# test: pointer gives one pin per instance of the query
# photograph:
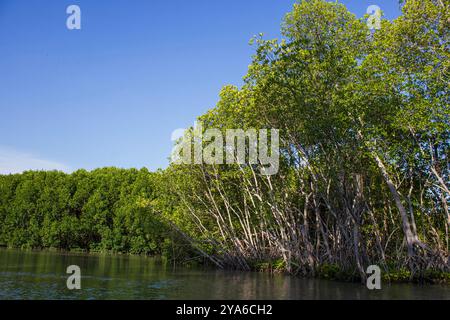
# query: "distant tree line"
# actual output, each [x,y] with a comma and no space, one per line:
[106,209]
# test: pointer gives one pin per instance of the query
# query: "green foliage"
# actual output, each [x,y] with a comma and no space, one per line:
[103,210]
[401,275]
[364,123]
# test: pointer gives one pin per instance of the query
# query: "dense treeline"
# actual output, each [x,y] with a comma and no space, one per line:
[364,174]
[106,209]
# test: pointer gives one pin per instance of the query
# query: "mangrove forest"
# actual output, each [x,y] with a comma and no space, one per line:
[364,173]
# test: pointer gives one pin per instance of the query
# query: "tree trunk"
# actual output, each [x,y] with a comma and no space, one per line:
[411,238]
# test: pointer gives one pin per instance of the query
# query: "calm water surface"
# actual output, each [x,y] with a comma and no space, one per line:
[42,275]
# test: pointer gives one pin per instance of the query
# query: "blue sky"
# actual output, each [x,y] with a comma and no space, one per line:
[112,93]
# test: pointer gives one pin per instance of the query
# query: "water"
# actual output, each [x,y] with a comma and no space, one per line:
[42,275]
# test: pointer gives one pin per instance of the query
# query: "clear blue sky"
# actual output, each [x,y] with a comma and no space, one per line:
[111,93]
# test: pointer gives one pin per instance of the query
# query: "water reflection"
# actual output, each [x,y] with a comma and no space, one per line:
[42,275]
